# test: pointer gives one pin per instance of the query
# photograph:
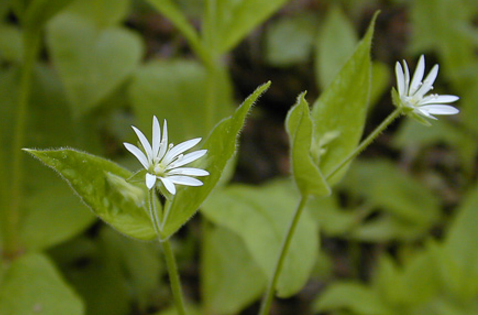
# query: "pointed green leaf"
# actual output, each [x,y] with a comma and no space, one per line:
[39,12]
[261,216]
[91,62]
[221,146]
[103,12]
[226,260]
[341,109]
[102,186]
[32,285]
[307,175]
[335,44]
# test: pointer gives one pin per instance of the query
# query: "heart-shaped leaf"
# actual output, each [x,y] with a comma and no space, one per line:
[32,285]
[307,175]
[221,146]
[102,186]
[91,62]
[339,114]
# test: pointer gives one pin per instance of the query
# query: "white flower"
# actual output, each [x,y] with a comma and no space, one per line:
[412,98]
[163,161]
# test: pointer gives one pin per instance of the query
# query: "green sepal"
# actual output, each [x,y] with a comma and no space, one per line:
[102,185]
[307,175]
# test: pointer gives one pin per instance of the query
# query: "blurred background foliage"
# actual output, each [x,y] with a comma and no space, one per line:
[397,236]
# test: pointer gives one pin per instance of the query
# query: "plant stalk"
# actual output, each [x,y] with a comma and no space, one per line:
[174,277]
[267,301]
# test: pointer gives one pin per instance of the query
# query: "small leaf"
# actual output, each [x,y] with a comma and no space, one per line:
[342,108]
[91,62]
[39,12]
[221,146]
[289,40]
[261,216]
[32,285]
[226,260]
[102,186]
[104,13]
[335,44]
[307,175]
[353,297]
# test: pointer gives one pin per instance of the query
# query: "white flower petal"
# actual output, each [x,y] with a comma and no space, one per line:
[188,158]
[180,148]
[440,109]
[428,83]
[150,180]
[185,180]
[144,142]
[424,113]
[439,99]
[417,76]
[156,137]
[400,78]
[407,77]
[164,142]
[168,184]
[138,154]
[189,171]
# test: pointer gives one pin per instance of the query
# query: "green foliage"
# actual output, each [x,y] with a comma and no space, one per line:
[11,47]
[221,146]
[339,114]
[154,91]
[32,285]
[263,213]
[306,174]
[226,260]
[91,62]
[102,186]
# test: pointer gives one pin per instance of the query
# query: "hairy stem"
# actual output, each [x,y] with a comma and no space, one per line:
[174,277]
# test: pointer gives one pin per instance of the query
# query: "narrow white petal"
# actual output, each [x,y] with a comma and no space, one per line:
[189,171]
[188,158]
[407,77]
[185,180]
[400,79]
[428,83]
[150,180]
[138,154]
[164,142]
[439,99]
[168,185]
[180,148]
[440,109]
[417,76]
[144,143]
[156,136]
[424,113]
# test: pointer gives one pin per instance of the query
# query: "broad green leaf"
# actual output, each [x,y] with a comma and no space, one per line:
[261,216]
[102,186]
[307,175]
[386,228]
[32,285]
[351,296]
[335,42]
[221,146]
[180,98]
[227,22]
[339,114]
[289,40]
[225,261]
[461,242]
[388,188]
[91,62]
[45,220]
[103,12]
[11,46]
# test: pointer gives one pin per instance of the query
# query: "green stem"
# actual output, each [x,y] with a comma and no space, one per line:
[365,142]
[153,213]
[11,217]
[174,277]
[267,301]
